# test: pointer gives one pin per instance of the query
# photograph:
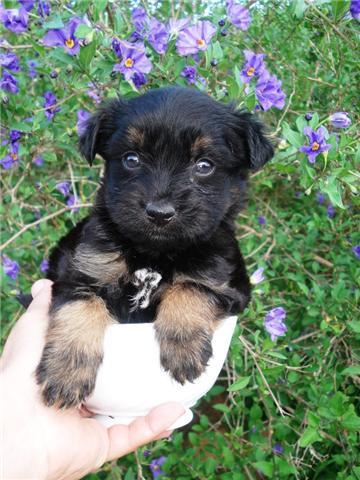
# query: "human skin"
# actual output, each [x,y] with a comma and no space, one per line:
[45,443]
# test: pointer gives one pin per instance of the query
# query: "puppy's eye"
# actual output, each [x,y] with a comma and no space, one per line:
[204,167]
[131,160]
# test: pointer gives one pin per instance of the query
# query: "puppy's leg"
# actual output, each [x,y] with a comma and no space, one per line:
[73,351]
[184,326]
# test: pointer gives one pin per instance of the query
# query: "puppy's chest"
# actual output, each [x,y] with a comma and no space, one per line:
[135,299]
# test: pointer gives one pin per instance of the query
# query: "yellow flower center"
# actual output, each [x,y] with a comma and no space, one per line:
[69,43]
[129,62]
[250,71]
[200,42]
[315,146]
[13,156]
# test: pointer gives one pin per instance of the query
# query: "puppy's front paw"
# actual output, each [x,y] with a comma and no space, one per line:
[185,356]
[66,374]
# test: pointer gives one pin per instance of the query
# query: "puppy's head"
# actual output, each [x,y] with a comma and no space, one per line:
[176,164]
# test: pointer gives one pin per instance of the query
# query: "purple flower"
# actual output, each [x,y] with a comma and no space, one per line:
[268,92]
[38,161]
[320,197]
[10,61]
[27,4]
[12,157]
[11,267]
[356,251]
[15,20]
[115,44]
[14,135]
[64,37]
[308,116]
[316,143]
[330,210]
[82,117]
[278,449]
[147,453]
[158,36]
[71,202]
[254,65]
[9,83]
[134,59]
[7,162]
[274,323]
[155,466]
[189,72]
[340,120]
[63,188]
[355,9]
[238,15]
[176,26]
[93,93]
[194,39]
[50,101]
[257,277]
[32,64]
[139,19]
[44,265]
[262,220]
[44,8]
[139,79]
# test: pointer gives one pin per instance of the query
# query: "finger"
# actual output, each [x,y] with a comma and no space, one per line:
[26,339]
[41,292]
[124,439]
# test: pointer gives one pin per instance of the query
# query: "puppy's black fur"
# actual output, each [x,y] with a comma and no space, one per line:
[176,167]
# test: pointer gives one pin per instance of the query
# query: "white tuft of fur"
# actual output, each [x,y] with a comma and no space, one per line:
[147,281]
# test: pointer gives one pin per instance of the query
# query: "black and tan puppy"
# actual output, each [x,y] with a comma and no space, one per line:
[159,244]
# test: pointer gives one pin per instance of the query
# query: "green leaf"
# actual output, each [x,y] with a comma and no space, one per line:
[83,30]
[294,138]
[130,475]
[217,51]
[241,383]
[354,325]
[266,468]
[221,407]
[332,187]
[276,355]
[350,420]
[353,370]
[309,436]
[56,22]
[87,53]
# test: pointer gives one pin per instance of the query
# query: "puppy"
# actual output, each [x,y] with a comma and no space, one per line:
[159,244]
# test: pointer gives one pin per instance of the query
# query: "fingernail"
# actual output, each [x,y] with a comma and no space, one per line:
[39,285]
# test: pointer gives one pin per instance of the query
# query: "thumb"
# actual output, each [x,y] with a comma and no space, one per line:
[26,340]
[124,439]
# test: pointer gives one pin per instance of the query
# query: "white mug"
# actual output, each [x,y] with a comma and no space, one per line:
[131,381]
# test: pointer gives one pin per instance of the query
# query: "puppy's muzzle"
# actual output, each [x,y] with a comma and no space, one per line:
[160,213]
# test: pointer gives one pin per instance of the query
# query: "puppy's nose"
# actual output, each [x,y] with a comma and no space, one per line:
[160,212]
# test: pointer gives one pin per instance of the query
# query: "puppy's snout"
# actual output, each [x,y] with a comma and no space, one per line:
[160,212]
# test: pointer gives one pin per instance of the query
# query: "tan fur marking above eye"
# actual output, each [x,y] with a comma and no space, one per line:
[135,136]
[201,143]
[105,267]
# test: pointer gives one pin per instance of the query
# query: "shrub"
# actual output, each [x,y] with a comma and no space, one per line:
[286,403]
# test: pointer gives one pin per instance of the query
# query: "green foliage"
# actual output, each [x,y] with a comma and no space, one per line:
[303,391]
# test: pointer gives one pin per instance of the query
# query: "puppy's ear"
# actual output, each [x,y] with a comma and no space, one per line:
[250,134]
[99,128]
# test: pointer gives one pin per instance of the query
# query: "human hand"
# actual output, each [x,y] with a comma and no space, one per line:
[49,444]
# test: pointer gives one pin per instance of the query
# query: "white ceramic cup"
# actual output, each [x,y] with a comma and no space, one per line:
[131,381]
